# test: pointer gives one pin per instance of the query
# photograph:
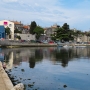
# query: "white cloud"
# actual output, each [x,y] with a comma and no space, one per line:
[10,0]
[46,11]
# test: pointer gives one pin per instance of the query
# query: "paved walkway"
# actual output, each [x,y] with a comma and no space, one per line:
[5,82]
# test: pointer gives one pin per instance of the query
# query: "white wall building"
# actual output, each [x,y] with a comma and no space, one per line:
[26,36]
[9,24]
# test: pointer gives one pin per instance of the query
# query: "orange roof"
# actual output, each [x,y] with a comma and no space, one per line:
[16,22]
[26,27]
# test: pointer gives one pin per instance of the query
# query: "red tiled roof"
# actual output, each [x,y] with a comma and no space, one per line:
[26,27]
[16,22]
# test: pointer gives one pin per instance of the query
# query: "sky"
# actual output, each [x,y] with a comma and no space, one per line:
[46,13]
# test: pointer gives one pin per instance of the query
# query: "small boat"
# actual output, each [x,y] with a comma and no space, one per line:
[80,45]
[59,44]
[67,46]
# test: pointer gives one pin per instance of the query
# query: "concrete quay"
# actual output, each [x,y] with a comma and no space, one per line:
[5,82]
[7,43]
[11,44]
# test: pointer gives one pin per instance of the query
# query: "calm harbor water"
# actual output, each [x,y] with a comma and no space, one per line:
[49,68]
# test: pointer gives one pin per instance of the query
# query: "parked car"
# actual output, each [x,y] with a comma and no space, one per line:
[32,41]
[38,41]
[45,41]
[51,42]
[23,40]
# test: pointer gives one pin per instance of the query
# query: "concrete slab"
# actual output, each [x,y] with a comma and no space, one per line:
[5,82]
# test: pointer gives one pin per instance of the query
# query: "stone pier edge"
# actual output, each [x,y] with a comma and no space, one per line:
[6,80]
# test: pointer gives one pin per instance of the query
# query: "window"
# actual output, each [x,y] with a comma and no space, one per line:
[10,25]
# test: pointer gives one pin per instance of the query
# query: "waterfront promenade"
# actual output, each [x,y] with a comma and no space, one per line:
[8,43]
[12,43]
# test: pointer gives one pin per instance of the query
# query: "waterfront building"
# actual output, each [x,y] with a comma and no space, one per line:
[2,31]
[7,23]
[82,39]
[18,25]
[26,37]
[26,29]
[48,31]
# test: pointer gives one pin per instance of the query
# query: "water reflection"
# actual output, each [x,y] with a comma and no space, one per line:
[9,60]
[1,55]
[56,55]
[38,56]
[32,62]
[49,68]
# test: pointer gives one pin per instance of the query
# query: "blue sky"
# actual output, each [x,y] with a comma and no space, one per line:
[48,12]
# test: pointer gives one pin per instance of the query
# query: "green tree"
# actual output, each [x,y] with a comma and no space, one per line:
[53,36]
[64,33]
[38,31]
[17,31]
[77,33]
[18,37]
[65,26]
[32,62]
[32,27]
[7,30]
[58,26]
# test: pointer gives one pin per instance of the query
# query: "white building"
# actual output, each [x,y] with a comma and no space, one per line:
[9,24]
[27,37]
